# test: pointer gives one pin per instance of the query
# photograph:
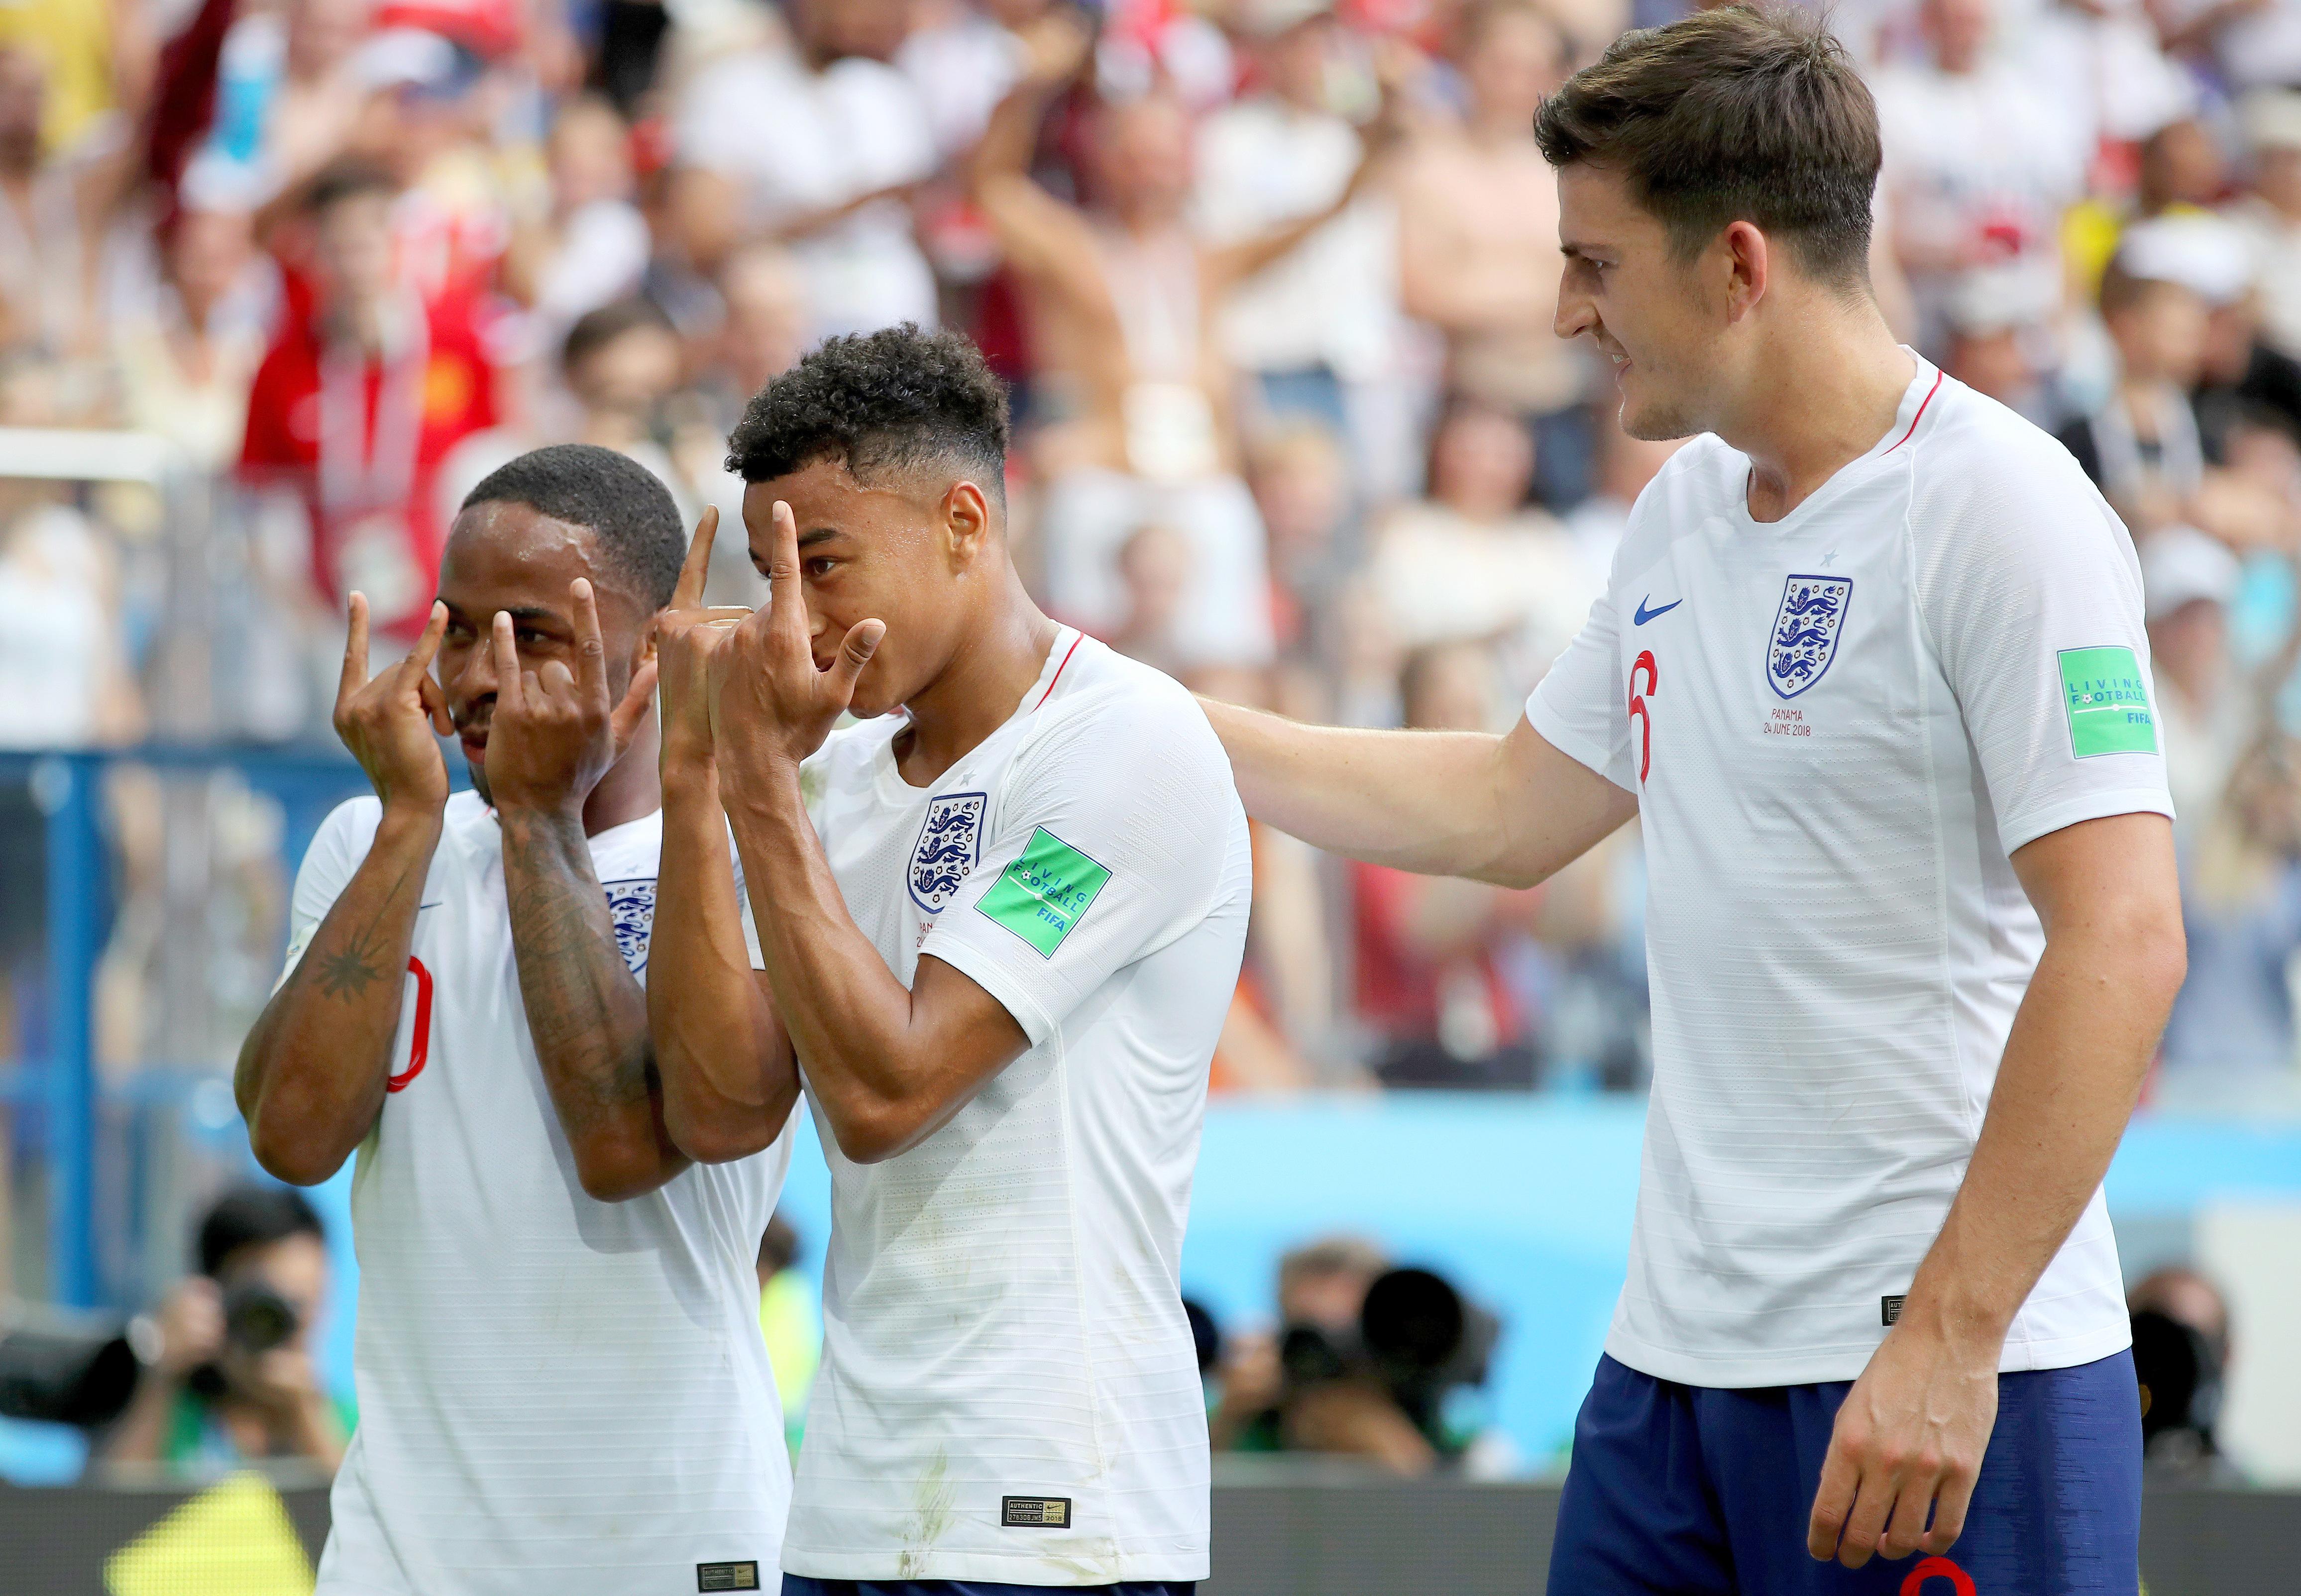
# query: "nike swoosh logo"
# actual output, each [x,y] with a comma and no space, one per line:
[1645,615]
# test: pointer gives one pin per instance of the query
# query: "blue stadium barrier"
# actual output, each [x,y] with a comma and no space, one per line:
[1524,1201]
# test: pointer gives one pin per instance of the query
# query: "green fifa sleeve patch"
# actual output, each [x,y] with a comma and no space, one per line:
[1046,891]
[2107,703]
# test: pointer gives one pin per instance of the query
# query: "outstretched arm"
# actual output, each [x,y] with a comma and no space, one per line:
[1042,237]
[730,1080]
[311,1075]
[885,1066]
[553,735]
[1510,810]
[1909,1439]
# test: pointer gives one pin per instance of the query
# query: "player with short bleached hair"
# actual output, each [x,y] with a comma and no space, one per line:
[996,926]
[1871,672]
[561,1384]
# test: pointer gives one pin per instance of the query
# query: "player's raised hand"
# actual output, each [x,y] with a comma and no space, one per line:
[1056,44]
[388,723]
[685,634]
[772,702]
[555,732]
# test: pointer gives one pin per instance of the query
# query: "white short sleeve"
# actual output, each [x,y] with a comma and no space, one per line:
[1110,839]
[1582,706]
[2031,590]
[336,848]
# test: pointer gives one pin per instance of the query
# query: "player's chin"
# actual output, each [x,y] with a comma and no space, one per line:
[1649,419]
[868,705]
[876,692]
[478,765]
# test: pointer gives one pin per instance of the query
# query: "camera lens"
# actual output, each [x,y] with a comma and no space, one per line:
[256,1318]
[1414,1319]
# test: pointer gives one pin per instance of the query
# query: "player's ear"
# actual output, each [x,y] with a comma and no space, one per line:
[1748,265]
[966,522]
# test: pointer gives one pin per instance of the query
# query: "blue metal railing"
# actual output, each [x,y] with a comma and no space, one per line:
[68,787]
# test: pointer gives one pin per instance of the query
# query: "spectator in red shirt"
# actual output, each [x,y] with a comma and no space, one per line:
[363,394]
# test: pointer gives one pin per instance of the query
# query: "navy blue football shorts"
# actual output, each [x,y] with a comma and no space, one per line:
[1691,1491]
[801,1584]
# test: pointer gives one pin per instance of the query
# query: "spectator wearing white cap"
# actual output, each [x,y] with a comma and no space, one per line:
[2189,582]
[2239,494]
[2000,329]
[2140,442]
[2271,212]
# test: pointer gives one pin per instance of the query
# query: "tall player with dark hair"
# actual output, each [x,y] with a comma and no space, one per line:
[1871,672]
[562,1384]
[995,935]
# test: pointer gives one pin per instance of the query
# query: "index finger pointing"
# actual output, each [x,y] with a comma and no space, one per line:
[783,575]
[419,658]
[355,675]
[692,575]
[507,651]
[591,652]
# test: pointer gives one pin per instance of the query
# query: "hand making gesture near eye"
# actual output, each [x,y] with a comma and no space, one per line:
[685,636]
[772,706]
[555,732]
[388,723]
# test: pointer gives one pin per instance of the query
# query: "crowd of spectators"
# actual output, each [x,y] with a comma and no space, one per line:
[1272,282]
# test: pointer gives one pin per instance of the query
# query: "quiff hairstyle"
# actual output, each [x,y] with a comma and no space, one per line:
[1738,114]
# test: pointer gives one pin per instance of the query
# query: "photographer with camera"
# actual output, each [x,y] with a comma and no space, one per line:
[1366,1357]
[233,1380]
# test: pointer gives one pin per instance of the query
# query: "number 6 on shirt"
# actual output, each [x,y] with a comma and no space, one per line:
[1644,662]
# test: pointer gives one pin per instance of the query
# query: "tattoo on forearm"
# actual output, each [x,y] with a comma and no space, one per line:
[346,973]
[584,1008]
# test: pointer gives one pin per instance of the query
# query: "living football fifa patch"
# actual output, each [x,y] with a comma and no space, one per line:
[1045,893]
[728,1576]
[2107,703]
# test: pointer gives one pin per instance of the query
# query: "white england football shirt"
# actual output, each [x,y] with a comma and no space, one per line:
[1838,725]
[1008,1390]
[556,1393]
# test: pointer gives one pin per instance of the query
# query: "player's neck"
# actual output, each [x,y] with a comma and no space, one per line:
[1819,399]
[632,788]
[995,664]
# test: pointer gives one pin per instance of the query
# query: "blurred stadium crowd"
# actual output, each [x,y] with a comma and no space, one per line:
[1272,282]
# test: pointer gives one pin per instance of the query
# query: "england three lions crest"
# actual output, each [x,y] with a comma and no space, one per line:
[630,910]
[1806,628]
[951,841]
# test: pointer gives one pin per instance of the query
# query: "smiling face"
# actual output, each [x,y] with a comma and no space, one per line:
[513,558]
[1661,319]
[917,552]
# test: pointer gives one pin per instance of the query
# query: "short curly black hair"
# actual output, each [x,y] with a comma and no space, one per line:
[628,509]
[895,400]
